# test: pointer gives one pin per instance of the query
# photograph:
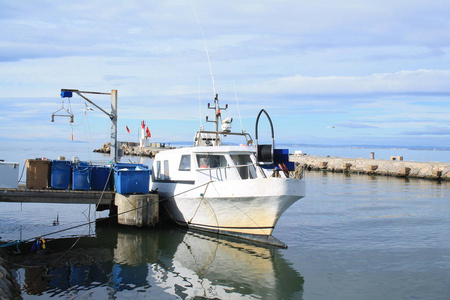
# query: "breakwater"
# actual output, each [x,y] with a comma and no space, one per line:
[394,167]
[9,288]
[134,149]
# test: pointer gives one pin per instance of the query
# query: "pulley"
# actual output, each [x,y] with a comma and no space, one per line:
[67,112]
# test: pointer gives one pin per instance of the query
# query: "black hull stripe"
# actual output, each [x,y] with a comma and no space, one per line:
[258,238]
[221,227]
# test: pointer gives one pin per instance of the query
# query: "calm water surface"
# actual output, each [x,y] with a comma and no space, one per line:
[351,237]
[361,237]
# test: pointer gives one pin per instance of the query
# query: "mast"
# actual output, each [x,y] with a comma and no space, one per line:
[217,115]
[213,138]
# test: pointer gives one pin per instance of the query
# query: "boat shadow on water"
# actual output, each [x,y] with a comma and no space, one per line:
[170,262]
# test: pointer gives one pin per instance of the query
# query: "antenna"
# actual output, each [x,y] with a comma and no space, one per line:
[206,48]
[199,101]
[218,112]
[237,102]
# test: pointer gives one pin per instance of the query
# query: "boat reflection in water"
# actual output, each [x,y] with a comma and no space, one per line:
[213,267]
[167,264]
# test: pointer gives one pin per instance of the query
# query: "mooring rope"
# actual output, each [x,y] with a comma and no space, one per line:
[90,222]
[202,199]
[16,243]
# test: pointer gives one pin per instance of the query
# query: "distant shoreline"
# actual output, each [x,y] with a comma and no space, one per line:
[381,147]
[371,147]
[288,144]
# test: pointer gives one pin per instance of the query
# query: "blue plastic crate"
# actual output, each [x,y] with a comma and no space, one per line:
[81,177]
[60,174]
[100,178]
[129,166]
[132,181]
[281,155]
[290,165]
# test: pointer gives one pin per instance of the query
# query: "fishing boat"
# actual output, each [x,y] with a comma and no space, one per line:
[234,189]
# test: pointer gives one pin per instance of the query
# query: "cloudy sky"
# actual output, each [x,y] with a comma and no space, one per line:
[328,72]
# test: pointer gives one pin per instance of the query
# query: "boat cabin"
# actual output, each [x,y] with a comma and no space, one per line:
[201,164]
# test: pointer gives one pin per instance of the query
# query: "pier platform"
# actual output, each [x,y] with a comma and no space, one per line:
[393,167]
[140,210]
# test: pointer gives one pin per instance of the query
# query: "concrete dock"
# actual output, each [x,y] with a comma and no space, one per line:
[394,167]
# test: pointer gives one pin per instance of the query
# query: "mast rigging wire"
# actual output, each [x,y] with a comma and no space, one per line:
[237,103]
[199,101]
[90,222]
[206,48]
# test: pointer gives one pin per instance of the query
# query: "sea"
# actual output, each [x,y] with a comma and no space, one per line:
[351,237]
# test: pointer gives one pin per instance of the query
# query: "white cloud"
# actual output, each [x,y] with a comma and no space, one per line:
[381,64]
[432,81]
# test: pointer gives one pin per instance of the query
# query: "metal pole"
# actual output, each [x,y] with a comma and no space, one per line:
[114,153]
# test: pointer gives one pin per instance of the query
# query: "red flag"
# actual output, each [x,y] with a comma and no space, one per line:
[128,129]
[148,133]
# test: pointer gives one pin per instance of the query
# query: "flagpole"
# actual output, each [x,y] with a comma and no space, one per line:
[128,136]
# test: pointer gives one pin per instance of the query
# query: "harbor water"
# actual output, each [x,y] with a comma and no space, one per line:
[351,237]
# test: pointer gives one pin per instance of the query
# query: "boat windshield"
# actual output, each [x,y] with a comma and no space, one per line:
[244,166]
[211,161]
[226,167]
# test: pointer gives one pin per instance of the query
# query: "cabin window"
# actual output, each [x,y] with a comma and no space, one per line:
[211,161]
[185,163]
[158,170]
[166,170]
[244,165]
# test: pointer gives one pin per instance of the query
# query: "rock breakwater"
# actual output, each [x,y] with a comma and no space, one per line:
[425,170]
[9,288]
[134,149]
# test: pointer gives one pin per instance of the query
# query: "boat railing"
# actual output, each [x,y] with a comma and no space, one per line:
[210,141]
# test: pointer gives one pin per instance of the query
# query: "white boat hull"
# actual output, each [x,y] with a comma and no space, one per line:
[246,208]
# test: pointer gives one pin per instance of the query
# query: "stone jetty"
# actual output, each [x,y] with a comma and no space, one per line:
[134,149]
[394,167]
[9,288]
